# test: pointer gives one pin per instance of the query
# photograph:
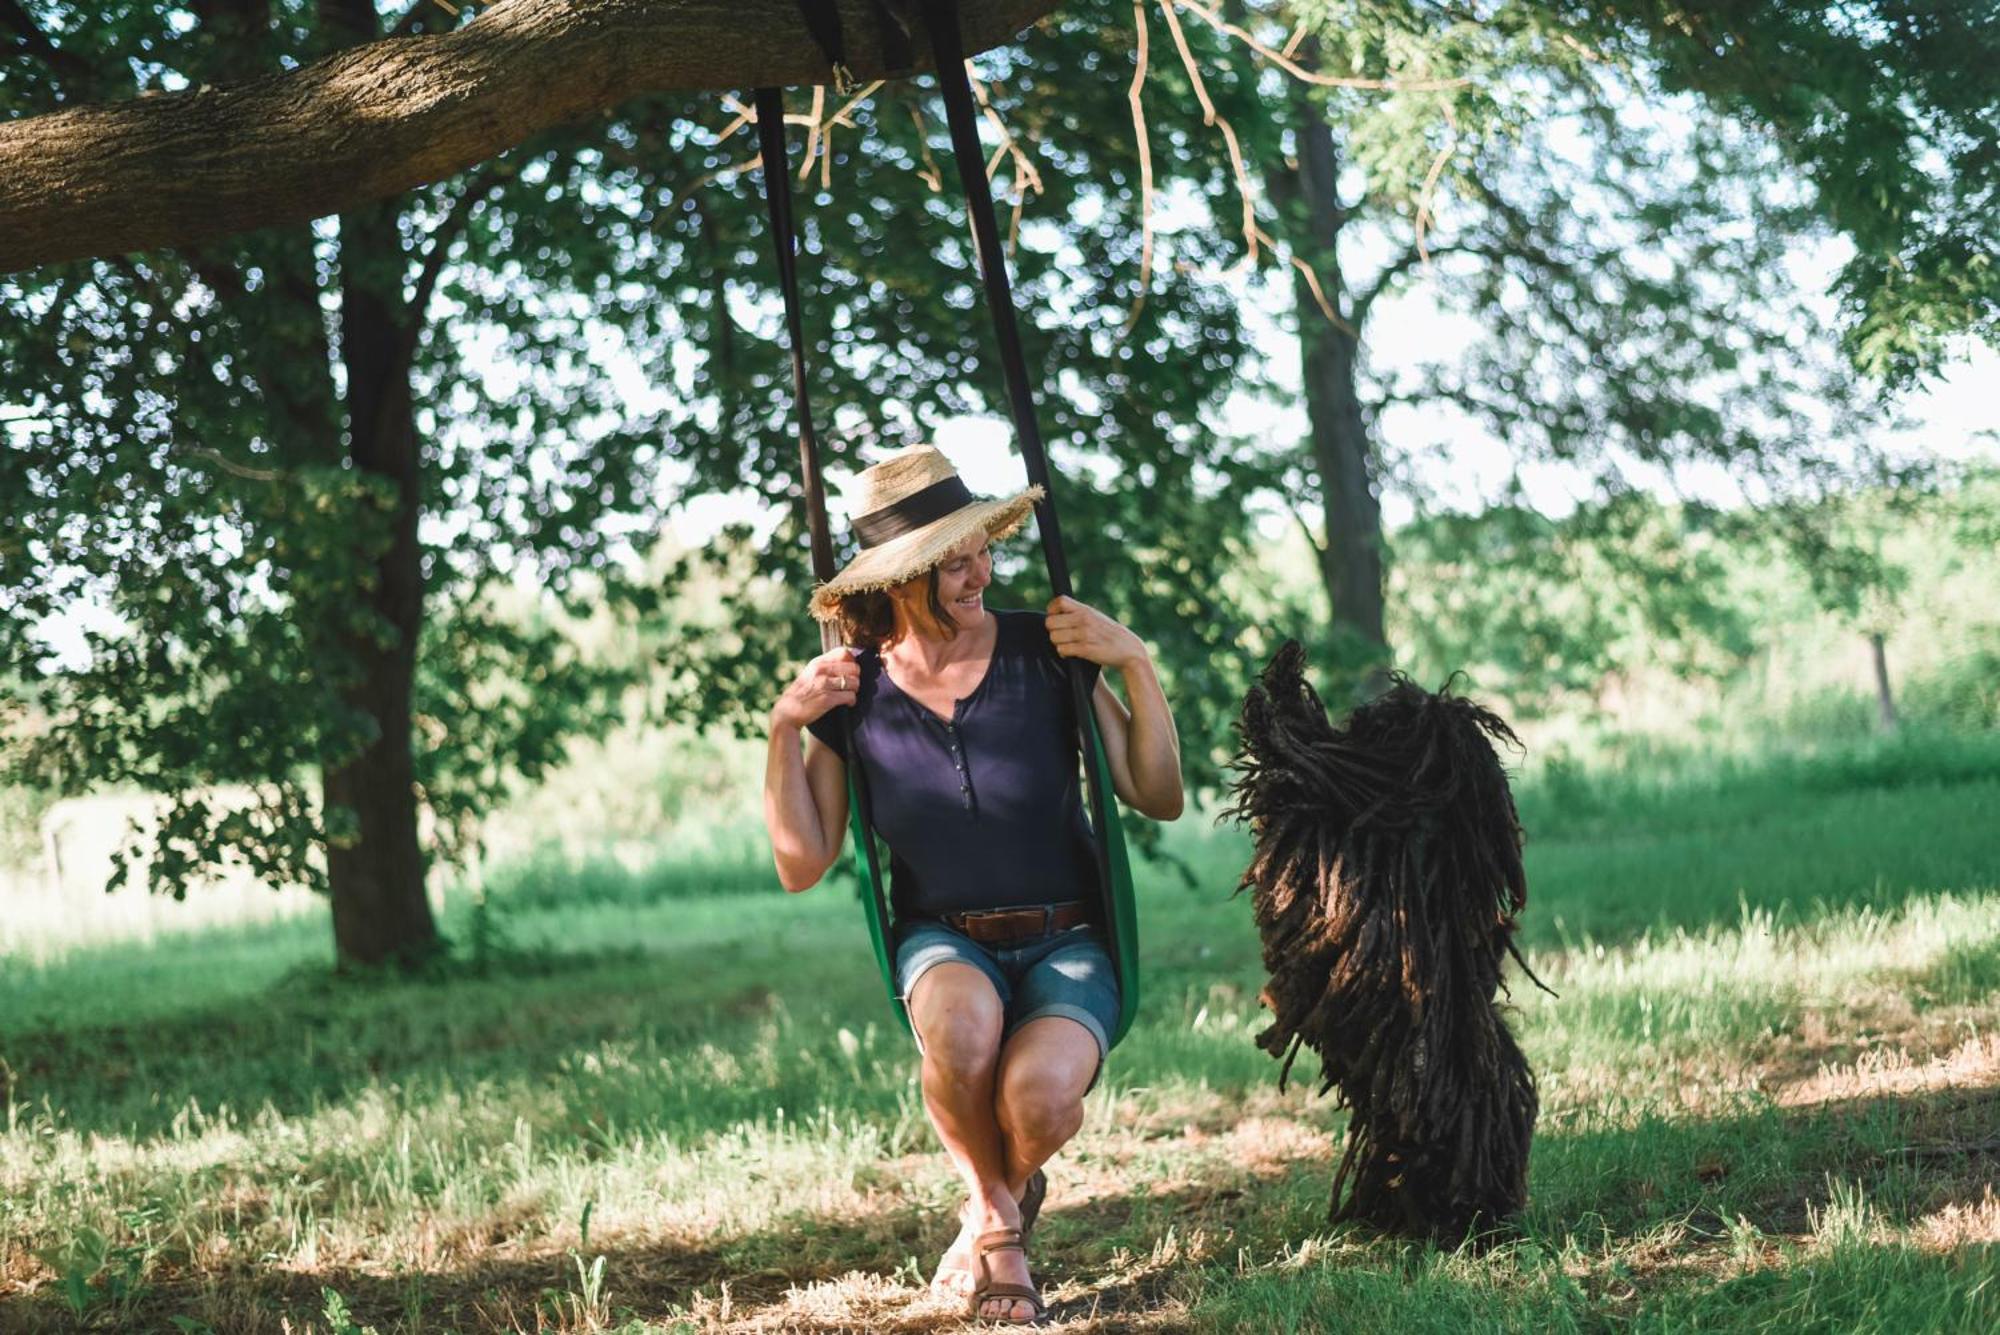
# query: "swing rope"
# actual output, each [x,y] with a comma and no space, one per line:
[941,18]
[770,104]
[784,240]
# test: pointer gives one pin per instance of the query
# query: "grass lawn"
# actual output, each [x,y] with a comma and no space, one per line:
[1770,1084]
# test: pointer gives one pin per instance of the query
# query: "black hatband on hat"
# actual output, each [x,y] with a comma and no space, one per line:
[913,511]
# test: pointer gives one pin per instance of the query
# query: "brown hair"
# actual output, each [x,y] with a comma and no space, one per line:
[868,619]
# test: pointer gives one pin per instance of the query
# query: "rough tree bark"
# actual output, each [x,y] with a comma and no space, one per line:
[1343,456]
[388,115]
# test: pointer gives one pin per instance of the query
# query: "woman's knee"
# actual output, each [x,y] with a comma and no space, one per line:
[1037,1110]
[958,1014]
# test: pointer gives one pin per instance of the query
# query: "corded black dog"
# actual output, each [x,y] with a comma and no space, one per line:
[1385,884]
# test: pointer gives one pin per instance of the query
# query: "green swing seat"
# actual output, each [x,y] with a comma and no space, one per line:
[1118,915]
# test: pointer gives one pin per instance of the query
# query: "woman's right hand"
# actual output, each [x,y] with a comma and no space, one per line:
[831,680]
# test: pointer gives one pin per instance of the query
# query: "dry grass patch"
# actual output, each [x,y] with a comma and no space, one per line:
[1972,1065]
[1961,1224]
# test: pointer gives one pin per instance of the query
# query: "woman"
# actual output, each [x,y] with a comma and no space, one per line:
[962,720]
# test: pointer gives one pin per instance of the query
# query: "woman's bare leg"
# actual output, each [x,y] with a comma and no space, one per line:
[959,1016]
[1044,1070]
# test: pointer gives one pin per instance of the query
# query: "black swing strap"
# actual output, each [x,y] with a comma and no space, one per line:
[770,104]
[947,47]
[941,18]
[784,240]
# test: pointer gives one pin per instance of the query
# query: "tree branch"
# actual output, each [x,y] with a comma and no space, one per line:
[393,114]
[231,467]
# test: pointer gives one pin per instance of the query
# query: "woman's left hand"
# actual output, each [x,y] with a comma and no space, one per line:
[1078,631]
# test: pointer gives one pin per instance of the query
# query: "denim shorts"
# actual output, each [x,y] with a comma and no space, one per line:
[1067,973]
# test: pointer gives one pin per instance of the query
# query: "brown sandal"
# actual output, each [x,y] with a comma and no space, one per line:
[947,1277]
[989,1290]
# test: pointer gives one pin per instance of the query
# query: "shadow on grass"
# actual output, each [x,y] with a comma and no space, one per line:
[1784,1202]
[760,1271]
[527,1293]
[313,1041]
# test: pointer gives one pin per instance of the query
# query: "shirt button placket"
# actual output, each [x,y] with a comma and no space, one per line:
[958,762]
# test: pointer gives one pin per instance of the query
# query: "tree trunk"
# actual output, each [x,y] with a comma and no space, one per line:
[375,870]
[1338,441]
[381,117]
[1885,702]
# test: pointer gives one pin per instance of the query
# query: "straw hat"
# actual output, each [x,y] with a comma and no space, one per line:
[908,512]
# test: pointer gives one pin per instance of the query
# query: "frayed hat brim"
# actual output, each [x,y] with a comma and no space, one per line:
[914,553]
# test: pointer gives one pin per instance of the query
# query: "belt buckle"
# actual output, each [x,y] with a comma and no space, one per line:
[1008,926]
[1002,927]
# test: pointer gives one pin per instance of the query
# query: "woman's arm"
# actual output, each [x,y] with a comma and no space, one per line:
[805,797]
[1140,744]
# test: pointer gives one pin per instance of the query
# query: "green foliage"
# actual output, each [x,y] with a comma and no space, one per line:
[1622,248]
[96,1274]
[531,686]
[1623,214]
[548,877]
[333,1309]
[180,458]
[1964,695]
[21,811]
[1621,594]
[1883,111]
[1886,108]
[1541,610]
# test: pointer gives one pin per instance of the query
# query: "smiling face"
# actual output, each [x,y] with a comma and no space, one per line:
[962,576]
[956,602]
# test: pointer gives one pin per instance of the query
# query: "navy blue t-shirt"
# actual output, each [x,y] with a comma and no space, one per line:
[983,810]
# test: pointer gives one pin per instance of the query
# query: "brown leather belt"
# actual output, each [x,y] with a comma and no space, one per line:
[1000,926]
